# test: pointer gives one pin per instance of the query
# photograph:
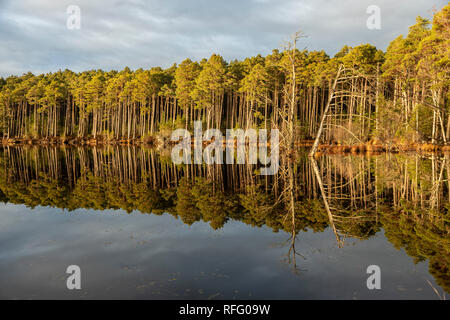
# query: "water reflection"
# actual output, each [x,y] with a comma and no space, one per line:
[406,196]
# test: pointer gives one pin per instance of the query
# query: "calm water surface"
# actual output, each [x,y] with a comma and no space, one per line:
[140,227]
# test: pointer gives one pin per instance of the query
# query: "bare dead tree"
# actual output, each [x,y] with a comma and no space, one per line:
[324,115]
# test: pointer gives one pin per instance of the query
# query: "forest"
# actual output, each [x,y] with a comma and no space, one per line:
[396,97]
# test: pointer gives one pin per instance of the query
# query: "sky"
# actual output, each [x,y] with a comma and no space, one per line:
[141,34]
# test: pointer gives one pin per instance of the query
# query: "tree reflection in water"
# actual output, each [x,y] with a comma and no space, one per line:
[407,196]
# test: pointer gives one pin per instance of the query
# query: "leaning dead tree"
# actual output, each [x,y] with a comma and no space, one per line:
[324,115]
[351,109]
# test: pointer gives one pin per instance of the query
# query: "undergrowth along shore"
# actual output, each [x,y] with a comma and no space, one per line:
[371,147]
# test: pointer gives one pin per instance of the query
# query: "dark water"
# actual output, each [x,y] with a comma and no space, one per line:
[140,227]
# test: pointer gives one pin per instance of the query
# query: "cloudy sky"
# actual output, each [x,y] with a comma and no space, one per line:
[145,33]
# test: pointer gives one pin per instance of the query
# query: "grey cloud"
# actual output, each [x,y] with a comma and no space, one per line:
[137,33]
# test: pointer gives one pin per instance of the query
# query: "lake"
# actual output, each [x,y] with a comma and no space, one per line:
[141,227]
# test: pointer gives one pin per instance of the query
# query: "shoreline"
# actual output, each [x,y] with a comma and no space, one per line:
[365,148]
